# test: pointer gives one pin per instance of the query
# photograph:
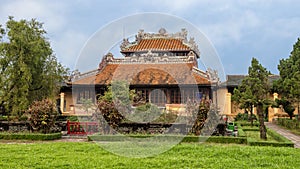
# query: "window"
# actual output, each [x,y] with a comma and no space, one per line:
[158,97]
[175,96]
[85,94]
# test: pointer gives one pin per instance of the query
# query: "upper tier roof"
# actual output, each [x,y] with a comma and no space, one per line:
[158,45]
[161,41]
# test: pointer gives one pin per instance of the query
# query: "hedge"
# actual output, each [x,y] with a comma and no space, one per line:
[241,132]
[253,142]
[187,139]
[29,136]
[282,141]
[246,123]
[277,136]
[288,123]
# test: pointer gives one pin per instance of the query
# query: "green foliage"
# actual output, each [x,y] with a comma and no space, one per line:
[289,124]
[29,136]
[42,115]
[253,142]
[277,136]
[145,113]
[286,105]
[116,105]
[170,118]
[29,70]
[87,104]
[184,139]
[244,117]
[254,92]
[288,86]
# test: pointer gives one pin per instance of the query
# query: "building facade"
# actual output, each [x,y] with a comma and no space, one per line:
[161,66]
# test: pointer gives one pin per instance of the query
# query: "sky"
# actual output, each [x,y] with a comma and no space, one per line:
[237,29]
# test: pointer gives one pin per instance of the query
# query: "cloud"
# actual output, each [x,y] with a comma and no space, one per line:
[52,14]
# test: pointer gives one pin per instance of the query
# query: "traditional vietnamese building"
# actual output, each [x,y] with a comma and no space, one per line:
[162,66]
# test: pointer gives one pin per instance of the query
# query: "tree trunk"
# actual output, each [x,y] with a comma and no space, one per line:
[262,127]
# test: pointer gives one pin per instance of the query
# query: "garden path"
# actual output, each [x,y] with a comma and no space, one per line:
[286,133]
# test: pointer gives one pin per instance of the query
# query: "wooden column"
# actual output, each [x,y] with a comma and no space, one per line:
[228,103]
[62,101]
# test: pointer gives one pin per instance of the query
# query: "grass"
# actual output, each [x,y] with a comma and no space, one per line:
[89,155]
[256,135]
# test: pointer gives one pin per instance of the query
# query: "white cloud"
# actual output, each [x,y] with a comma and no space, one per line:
[52,14]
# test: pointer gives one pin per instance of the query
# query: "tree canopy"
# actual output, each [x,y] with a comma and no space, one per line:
[288,85]
[253,92]
[29,69]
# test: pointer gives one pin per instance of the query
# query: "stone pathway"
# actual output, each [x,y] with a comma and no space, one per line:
[286,133]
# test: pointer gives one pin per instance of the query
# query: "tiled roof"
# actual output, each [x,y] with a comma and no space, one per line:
[235,80]
[159,44]
[147,74]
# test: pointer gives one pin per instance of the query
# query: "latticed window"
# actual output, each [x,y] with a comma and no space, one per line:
[175,96]
[158,97]
[85,95]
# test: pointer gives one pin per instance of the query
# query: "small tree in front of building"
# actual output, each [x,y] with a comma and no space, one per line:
[244,98]
[253,92]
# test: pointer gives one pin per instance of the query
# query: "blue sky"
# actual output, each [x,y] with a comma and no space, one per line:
[239,30]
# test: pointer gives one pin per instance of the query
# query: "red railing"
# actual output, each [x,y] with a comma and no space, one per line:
[82,128]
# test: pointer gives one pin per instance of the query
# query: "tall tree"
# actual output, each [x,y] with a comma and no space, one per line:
[288,85]
[29,70]
[244,98]
[253,92]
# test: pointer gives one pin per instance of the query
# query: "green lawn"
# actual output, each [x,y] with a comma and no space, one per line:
[256,135]
[89,155]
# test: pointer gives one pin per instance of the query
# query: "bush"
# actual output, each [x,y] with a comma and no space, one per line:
[145,113]
[244,117]
[277,136]
[29,136]
[290,124]
[42,115]
[241,132]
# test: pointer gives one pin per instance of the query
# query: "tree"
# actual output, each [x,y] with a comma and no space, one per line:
[244,97]
[286,105]
[253,92]
[115,105]
[288,85]
[29,70]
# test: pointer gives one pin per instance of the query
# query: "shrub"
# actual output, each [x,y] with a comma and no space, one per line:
[186,139]
[42,115]
[290,124]
[145,113]
[241,132]
[244,117]
[277,136]
[29,136]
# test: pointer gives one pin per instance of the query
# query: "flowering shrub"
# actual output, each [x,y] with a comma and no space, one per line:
[42,115]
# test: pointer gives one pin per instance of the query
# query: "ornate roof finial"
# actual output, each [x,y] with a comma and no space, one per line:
[162,31]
